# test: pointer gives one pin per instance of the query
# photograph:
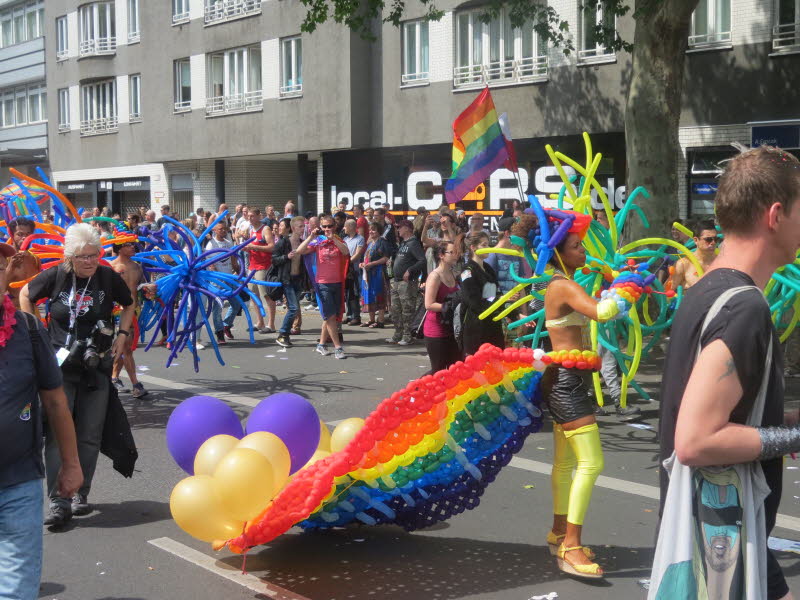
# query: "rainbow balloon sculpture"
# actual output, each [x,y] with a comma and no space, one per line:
[426,453]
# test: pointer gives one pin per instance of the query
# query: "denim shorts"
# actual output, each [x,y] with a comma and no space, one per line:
[330,296]
[21,540]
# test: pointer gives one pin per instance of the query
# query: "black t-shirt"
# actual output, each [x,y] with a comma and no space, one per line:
[26,366]
[745,326]
[104,288]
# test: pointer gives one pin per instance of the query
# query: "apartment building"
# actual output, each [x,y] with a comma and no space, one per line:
[196,102]
[23,96]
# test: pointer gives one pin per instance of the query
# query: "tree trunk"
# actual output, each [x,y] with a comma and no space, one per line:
[653,112]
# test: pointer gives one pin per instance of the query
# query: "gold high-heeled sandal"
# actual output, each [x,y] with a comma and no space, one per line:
[592,571]
[554,541]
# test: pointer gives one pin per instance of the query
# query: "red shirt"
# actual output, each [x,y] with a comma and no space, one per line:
[260,260]
[330,263]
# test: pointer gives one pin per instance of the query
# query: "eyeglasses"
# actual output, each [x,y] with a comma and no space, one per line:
[86,257]
[709,239]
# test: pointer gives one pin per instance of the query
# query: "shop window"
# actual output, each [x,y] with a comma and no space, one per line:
[97,29]
[133,21]
[234,81]
[219,11]
[591,45]
[99,107]
[291,67]
[180,11]
[62,38]
[786,32]
[135,100]
[711,24]
[22,23]
[183,85]
[497,53]
[416,52]
[63,110]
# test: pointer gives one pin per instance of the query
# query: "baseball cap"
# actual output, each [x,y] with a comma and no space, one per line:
[506,223]
[7,250]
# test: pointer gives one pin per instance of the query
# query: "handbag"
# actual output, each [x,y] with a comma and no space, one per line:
[274,292]
[709,509]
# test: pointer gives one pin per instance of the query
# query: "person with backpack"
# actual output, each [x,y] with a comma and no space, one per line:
[478,289]
[32,384]
[81,295]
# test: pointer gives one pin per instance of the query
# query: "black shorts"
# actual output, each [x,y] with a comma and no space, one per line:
[566,393]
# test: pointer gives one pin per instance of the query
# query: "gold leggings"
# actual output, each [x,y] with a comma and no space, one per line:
[577,450]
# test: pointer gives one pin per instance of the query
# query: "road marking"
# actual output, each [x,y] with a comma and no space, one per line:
[611,483]
[251,582]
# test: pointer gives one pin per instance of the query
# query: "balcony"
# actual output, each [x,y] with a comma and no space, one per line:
[786,37]
[100,126]
[504,72]
[135,117]
[219,11]
[414,78]
[595,55]
[62,54]
[63,127]
[98,46]
[179,18]
[134,37]
[709,40]
[184,106]
[237,103]
[291,89]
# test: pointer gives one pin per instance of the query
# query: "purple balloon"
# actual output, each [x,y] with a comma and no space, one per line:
[291,418]
[195,420]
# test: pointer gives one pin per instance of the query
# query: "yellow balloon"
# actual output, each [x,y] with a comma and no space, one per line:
[344,432]
[274,450]
[211,452]
[197,509]
[324,437]
[244,482]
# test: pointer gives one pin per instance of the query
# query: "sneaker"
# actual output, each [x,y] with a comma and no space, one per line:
[283,340]
[407,342]
[58,515]
[221,338]
[627,412]
[80,505]
[599,411]
[119,385]
[139,391]
[392,340]
[323,350]
[199,346]
[266,330]
[227,331]
[339,353]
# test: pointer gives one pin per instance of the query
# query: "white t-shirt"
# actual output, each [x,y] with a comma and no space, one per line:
[223,266]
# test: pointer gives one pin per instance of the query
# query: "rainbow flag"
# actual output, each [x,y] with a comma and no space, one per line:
[479,147]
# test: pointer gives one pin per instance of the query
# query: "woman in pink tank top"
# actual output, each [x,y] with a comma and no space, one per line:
[440,342]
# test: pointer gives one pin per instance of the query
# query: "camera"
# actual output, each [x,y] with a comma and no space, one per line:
[88,352]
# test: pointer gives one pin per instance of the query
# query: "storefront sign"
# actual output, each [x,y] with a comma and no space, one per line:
[782,136]
[704,189]
[132,185]
[73,187]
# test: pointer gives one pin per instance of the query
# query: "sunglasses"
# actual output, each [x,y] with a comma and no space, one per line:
[327,226]
[709,239]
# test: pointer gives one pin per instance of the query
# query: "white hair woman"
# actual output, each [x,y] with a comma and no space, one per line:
[82,293]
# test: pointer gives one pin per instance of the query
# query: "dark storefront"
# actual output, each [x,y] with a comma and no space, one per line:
[82,194]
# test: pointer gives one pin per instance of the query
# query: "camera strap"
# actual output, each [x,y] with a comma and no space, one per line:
[74,307]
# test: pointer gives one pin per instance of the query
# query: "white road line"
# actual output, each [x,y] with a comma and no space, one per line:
[611,483]
[251,582]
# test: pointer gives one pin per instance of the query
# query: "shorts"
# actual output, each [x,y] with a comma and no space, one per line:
[566,392]
[259,291]
[330,299]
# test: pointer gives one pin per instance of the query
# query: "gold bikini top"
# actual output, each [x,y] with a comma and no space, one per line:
[573,319]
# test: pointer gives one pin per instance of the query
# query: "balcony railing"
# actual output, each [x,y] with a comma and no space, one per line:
[135,117]
[412,78]
[63,127]
[595,55]
[236,103]
[709,40]
[529,69]
[291,89]
[62,54]
[180,17]
[98,126]
[786,37]
[217,11]
[183,106]
[133,37]
[106,45]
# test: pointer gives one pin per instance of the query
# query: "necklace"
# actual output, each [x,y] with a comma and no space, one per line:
[9,320]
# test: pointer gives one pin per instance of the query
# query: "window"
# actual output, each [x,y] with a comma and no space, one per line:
[62,38]
[217,11]
[180,11]
[99,107]
[415,52]
[496,52]
[22,23]
[63,109]
[97,28]
[291,67]
[183,85]
[711,24]
[234,81]
[592,49]
[786,32]
[23,106]
[135,100]
[37,104]
[133,21]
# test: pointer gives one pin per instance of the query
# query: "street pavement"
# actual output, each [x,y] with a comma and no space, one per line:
[129,548]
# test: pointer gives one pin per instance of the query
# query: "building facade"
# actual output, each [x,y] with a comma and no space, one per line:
[195,102]
[23,95]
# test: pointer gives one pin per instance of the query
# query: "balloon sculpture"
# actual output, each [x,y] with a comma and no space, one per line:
[426,453]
